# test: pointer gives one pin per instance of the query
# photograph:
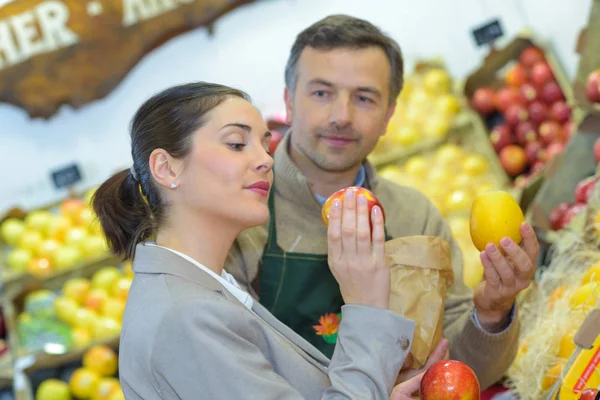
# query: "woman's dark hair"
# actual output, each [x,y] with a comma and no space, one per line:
[165,121]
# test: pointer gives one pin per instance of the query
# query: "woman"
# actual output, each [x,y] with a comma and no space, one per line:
[201,174]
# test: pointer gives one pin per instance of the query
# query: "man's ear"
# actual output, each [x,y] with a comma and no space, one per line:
[289,107]
[388,115]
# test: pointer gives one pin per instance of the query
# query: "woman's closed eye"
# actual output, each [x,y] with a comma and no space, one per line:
[236,146]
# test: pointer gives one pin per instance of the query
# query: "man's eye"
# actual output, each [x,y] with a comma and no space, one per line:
[237,146]
[320,93]
[364,99]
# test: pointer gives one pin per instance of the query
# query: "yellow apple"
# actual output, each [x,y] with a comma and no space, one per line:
[18,259]
[107,387]
[118,395]
[128,268]
[406,135]
[40,267]
[11,231]
[85,318]
[447,104]
[76,236]
[475,165]
[106,328]
[417,167]
[113,308]
[436,81]
[65,309]
[95,299]
[57,227]
[77,289]
[93,246]
[449,155]
[66,257]
[71,208]
[105,278]
[31,240]
[47,248]
[37,220]
[436,127]
[121,287]
[82,337]
[83,383]
[86,217]
[53,389]
[101,359]
[458,202]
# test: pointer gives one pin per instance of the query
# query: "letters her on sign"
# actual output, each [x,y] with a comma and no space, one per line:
[55,52]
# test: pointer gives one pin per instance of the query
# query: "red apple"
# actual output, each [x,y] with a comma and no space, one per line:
[553,149]
[560,111]
[513,159]
[529,93]
[501,137]
[592,87]
[515,114]
[531,55]
[483,100]
[534,150]
[371,201]
[541,73]
[449,380]
[516,76]
[584,189]
[538,112]
[552,92]
[507,96]
[557,215]
[571,212]
[526,133]
[567,131]
[549,132]
[597,150]
[276,137]
[590,394]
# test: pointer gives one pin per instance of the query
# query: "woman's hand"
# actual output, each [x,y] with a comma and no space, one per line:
[407,389]
[356,255]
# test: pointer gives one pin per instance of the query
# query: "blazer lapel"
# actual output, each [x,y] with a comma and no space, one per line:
[316,357]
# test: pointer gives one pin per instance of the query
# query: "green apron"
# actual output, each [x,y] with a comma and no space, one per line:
[298,288]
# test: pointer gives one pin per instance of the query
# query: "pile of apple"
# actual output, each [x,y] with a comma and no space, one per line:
[95,379]
[449,176]
[85,310]
[562,214]
[536,118]
[425,110]
[47,241]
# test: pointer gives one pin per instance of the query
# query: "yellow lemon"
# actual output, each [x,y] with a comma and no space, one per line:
[587,295]
[567,345]
[495,215]
[593,274]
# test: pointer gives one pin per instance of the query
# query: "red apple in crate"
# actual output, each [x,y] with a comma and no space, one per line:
[560,111]
[571,212]
[371,201]
[551,92]
[276,137]
[592,87]
[597,150]
[531,55]
[529,93]
[516,76]
[541,73]
[449,380]
[549,132]
[567,130]
[590,394]
[501,137]
[554,149]
[526,133]
[534,151]
[513,159]
[516,113]
[538,112]
[483,100]
[584,189]
[507,96]
[557,214]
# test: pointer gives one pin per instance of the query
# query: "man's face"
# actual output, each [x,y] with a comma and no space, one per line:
[340,106]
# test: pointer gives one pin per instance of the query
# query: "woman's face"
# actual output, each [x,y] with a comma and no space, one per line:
[228,174]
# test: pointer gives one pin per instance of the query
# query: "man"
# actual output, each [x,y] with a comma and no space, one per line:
[342,78]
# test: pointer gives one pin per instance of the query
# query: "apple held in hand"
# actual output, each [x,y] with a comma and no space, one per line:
[371,201]
[449,380]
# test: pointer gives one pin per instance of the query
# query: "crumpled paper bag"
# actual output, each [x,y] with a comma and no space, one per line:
[421,272]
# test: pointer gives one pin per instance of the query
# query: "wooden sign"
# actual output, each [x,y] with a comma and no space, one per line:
[55,52]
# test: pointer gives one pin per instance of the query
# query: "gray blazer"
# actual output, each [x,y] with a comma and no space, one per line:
[185,337]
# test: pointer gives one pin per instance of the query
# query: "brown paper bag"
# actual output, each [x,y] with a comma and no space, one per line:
[421,268]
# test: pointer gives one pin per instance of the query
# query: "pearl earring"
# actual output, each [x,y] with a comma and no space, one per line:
[173,186]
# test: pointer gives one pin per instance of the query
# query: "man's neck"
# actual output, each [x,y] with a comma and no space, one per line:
[323,183]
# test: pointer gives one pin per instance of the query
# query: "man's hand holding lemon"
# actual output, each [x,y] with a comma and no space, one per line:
[509,250]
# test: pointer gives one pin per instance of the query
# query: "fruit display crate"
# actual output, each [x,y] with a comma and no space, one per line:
[50,329]
[526,102]
[588,47]
[47,241]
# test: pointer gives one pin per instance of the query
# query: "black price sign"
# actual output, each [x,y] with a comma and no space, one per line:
[488,32]
[66,176]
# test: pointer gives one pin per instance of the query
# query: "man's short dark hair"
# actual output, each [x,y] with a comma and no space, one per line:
[343,31]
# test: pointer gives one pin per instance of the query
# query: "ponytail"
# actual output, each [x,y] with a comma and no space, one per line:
[124,215]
